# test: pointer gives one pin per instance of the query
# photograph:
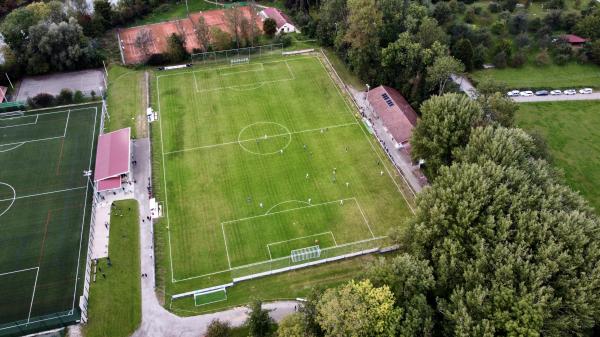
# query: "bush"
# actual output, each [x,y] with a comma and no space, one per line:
[78,97]
[217,328]
[156,60]
[494,7]
[284,39]
[542,58]
[64,97]
[42,100]
[522,40]
[561,60]
[500,60]
[270,27]
[518,60]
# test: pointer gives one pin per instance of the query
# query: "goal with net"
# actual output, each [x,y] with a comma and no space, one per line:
[306,253]
[239,60]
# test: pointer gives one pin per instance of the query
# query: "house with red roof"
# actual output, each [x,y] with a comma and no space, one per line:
[284,24]
[574,40]
[398,117]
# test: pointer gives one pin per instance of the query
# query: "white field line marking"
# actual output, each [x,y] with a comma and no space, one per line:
[44,139]
[261,138]
[226,248]
[285,202]
[13,198]
[262,68]
[45,193]
[286,210]
[38,321]
[24,124]
[242,87]
[18,271]
[229,67]
[364,217]
[367,136]
[12,148]
[162,150]
[276,259]
[67,123]
[33,294]
[207,303]
[84,205]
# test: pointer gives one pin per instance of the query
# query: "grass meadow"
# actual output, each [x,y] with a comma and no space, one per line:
[572,75]
[44,211]
[115,307]
[260,159]
[571,132]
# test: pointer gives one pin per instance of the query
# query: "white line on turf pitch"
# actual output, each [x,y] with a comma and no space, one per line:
[350,110]
[261,138]
[45,193]
[299,238]
[85,204]
[24,124]
[285,202]
[364,217]
[42,139]
[33,295]
[67,123]
[12,148]
[226,248]
[13,198]
[17,271]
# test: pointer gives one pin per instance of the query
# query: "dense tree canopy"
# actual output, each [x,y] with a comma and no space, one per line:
[445,126]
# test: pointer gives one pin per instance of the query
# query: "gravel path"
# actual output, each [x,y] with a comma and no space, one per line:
[156,320]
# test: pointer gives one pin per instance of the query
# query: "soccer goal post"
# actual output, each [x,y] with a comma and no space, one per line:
[307,253]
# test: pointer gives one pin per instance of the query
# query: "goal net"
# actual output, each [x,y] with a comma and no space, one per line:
[307,253]
[239,60]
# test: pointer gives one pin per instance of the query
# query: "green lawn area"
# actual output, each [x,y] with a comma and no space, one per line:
[115,307]
[258,160]
[283,286]
[126,100]
[45,203]
[571,131]
[172,11]
[572,75]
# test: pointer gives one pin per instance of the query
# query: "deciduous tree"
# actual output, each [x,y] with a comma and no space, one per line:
[202,33]
[270,27]
[364,22]
[143,41]
[259,322]
[358,309]
[218,328]
[438,74]
[445,126]
[292,326]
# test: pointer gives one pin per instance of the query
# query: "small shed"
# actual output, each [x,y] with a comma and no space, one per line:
[574,40]
[284,24]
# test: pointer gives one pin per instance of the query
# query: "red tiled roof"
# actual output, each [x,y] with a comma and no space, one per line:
[571,38]
[400,118]
[109,184]
[279,17]
[112,156]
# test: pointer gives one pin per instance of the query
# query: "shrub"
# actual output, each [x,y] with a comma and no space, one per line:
[500,60]
[41,100]
[217,328]
[270,27]
[494,7]
[284,39]
[518,60]
[156,59]
[561,59]
[64,97]
[78,97]
[542,58]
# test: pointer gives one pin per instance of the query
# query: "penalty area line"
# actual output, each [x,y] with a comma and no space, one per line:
[45,193]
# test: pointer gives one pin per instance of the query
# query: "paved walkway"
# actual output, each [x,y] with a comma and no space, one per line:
[399,158]
[465,85]
[156,320]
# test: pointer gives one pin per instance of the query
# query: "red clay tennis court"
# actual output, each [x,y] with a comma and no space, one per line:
[161,31]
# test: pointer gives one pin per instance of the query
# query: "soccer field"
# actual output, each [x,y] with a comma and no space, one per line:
[265,166]
[44,212]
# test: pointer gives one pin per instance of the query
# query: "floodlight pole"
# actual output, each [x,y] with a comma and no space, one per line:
[9,81]
[368,88]
[187,8]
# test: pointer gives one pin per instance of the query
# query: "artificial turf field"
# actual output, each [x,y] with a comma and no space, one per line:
[261,159]
[44,214]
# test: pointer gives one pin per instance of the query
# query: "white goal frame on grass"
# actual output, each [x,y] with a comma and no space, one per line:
[307,253]
[349,109]
[86,187]
[198,294]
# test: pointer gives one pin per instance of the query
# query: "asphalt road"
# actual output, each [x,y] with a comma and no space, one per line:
[558,98]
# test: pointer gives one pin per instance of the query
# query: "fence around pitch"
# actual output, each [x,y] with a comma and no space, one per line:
[231,54]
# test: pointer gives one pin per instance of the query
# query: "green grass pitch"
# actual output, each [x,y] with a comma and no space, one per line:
[210,297]
[260,159]
[44,212]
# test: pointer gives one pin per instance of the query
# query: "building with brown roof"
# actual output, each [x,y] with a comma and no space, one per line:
[574,40]
[398,117]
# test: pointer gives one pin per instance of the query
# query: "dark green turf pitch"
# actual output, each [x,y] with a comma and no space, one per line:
[234,147]
[44,207]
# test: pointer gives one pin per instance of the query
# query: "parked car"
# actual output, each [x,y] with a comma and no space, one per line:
[541,93]
[586,91]
[513,93]
[526,93]
[570,92]
[555,92]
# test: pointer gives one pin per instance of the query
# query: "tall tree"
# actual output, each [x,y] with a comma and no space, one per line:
[514,252]
[411,281]
[358,309]
[270,27]
[292,326]
[438,74]
[364,22]
[445,126]
[221,40]
[233,18]
[332,21]
[143,41]
[259,322]
[202,33]
[218,328]
[176,48]
[463,50]
[430,32]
